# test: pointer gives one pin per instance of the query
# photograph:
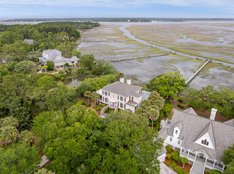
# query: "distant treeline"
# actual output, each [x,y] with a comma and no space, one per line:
[118,19]
[50,35]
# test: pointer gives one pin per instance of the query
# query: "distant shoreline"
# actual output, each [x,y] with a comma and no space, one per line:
[36,20]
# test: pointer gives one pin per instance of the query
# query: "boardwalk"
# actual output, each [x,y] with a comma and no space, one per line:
[196,73]
[135,58]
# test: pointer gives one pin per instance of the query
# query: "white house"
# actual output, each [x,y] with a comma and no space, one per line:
[56,57]
[122,95]
[201,140]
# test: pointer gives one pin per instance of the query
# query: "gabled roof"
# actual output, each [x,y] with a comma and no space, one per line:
[190,111]
[123,89]
[179,124]
[207,129]
[221,134]
[52,54]
[230,122]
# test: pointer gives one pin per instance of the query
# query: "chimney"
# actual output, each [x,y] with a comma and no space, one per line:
[129,81]
[213,113]
[121,80]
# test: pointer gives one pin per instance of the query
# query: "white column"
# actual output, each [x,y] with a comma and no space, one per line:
[214,163]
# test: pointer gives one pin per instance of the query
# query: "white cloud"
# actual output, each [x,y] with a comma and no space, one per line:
[120,3]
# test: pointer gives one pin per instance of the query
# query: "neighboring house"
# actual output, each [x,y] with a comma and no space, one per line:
[56,57]
[198,138]
[122,95]
[29,41]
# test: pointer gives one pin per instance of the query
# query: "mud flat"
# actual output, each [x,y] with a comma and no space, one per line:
[215,39]
[108,42]
[216,77]
[145,70]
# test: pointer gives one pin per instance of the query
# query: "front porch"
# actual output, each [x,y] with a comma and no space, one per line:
[209,163]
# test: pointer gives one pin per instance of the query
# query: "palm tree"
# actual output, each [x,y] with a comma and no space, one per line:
[94,97]
[88,95]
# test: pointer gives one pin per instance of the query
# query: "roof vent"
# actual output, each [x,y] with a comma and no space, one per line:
[213,113]
[121,80]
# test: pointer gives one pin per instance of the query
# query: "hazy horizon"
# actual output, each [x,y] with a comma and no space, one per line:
[120,9]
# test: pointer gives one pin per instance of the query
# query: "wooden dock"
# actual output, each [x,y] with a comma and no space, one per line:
[196,73]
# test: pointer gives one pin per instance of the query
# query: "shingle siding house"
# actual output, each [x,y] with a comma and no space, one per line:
[56,57]
[198,138]
[122,95]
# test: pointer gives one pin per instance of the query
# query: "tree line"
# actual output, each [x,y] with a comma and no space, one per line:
[53,35]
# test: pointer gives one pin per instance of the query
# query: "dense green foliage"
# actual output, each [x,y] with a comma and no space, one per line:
[18,158]
[80,142]
[175,160]
[151,108]
[60,36]
[89,67]
[208,97]
[18,154]
[23,96]
[93,84]
[73,137]
[167,85]
[228,159]
[50,66]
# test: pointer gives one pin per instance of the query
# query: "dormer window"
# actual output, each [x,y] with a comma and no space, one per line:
[205,142]
[176,132]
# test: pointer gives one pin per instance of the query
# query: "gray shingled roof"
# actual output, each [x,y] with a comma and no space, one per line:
[123,89]
[53,54]
[230,122]
[221,134]
[190,111]
[56,57]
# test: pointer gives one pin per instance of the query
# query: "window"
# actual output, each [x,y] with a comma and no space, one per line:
[121,98]
[106,93]
[125,99]
[118,97]
[103,92]
[205,142]
[178,141]
[121,105]
[170,139]
[106,100]
[176,132]
[124,106]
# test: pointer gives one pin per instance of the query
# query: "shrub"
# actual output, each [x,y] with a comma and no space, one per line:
[175,156]
[169,149]
[179,170]
[50,66]
[180,100]
[180,105]
[183,160]
[169,156]
[214,172]
[173,164]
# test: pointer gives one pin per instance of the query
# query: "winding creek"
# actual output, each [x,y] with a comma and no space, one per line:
[128,34]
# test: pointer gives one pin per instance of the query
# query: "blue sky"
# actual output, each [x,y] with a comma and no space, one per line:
[115,8]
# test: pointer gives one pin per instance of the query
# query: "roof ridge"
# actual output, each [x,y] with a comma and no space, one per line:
[201,133]
[200,117]
[213,134]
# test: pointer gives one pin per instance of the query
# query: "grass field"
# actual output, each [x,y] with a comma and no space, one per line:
[107,42]
[209,40]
